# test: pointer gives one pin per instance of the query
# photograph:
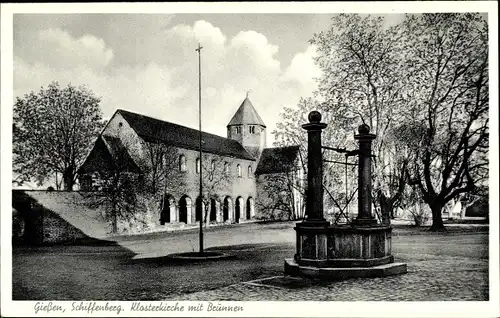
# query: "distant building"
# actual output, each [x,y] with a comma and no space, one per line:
[243,155]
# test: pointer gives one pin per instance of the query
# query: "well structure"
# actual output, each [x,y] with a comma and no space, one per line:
[326,251]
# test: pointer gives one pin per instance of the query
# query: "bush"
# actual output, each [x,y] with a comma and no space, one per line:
[17,226]
[478,209]
[143,216]
[420,214]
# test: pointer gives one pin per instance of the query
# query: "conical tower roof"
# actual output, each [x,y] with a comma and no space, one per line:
[246,114]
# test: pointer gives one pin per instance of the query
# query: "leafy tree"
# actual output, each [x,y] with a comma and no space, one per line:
[53,131]
[447,63]
[360,60]
[422,87]
[360,63]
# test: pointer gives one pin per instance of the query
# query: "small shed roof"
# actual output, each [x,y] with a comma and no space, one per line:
[277,160]
[108,153]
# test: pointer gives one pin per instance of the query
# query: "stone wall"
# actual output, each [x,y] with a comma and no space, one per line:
[35,224]
[57,230]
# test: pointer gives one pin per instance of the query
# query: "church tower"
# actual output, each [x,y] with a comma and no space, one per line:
[248,129]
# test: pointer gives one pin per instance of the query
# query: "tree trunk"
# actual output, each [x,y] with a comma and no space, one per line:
[114,215]
[58,186]
[206,218]
[68,178]
[114,222]
[386,210]
[437,220]
[463,209]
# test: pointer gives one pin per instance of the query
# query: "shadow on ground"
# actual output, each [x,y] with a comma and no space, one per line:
[108,272]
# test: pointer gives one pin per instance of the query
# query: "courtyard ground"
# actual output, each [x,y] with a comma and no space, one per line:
[441,266]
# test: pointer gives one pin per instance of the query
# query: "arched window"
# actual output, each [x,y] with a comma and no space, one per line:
[197,165]
[182,163]
[238,170]
[238,130]
[212,165]
[251,129]
[226,167]
[249,171]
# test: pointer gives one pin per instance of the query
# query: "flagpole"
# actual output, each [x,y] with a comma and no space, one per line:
[201,153]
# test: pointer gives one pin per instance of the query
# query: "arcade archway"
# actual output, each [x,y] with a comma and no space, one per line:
[184,209]
[227,209]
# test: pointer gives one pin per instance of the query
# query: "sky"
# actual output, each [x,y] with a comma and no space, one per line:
[147,63]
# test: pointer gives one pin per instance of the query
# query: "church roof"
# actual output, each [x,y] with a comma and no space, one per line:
[277,160]
[246,114]
[158,131]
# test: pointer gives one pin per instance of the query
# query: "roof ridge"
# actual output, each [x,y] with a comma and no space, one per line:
[291,146]
[171,123]
[158,130]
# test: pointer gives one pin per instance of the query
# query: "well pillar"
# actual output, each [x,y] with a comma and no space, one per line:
[359,249]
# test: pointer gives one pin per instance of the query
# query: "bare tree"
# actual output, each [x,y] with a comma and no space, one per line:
[116,182]
[479,196]
[161,171]
[414,204]
[289,132]
[138,173]
[283,186]
[282,193]
[216,179]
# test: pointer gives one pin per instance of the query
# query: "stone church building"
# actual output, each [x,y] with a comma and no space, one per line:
[252,168]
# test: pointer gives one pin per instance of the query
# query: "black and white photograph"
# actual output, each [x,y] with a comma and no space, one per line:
[250,159]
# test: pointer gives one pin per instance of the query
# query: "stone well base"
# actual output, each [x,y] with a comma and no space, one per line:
[340,273]
[334,252]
